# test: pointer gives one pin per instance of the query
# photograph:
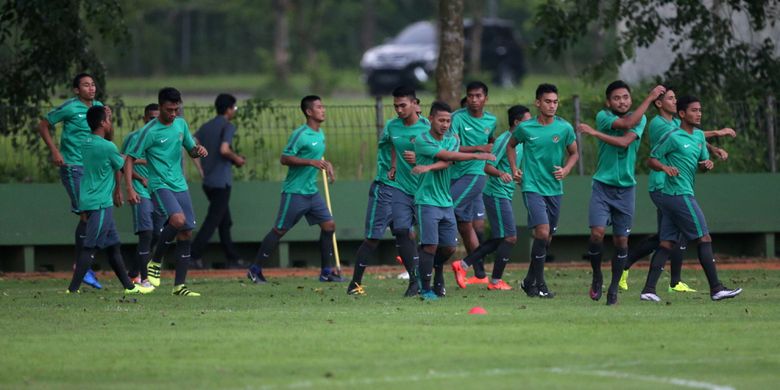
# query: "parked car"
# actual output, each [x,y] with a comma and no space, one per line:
[410,57]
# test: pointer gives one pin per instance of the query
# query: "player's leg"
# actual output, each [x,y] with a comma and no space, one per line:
[216,210]
[225,236]
[318,214]
[70,176]
[87,254]
[291,208]
[143,223]
[478,222]
[460,267]
[552,206]
[539,224]
[403,217]
[675,267]
[622,207]
[506,231]
[464,191]
[599,213]
[184,221]
[447,243]
[429,240]
[668,233]
[378,213]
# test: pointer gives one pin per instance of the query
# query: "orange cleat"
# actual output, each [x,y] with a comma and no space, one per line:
[476,280]
[399,260]
[460,274]
[501,285]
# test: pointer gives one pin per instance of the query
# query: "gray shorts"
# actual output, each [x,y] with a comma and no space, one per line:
[478,207]
[168,202]
[499,213]
[380,210]
[294,206]
[464,191]
[146,217]
[403,210]
[101,230]
[542,210]
[437,226]
[610,205]
[681,217]
[70,176]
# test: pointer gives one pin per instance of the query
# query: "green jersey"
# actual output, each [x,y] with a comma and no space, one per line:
[101,160]
[496,187]
[73,115]
[304,142]
[544,148]
[161,146]
[616,165]
[472,132]
[434,188]
[403,138]
[658,128]
[140,169]
[683,151]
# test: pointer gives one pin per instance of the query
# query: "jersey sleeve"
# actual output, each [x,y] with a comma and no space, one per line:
[665,145]
[499,150]
[116,159]
[384,137]
[293,144]
[58,114]
[426,147]
[187,140]
[142,141]
[519,134]
[570,137]
[639,129]
[228,134]
[127,143]
[605,120]
[705,153]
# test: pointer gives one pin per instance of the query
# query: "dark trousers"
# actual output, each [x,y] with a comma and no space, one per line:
[218,216]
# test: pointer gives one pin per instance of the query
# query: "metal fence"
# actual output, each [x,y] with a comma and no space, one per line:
[351,132]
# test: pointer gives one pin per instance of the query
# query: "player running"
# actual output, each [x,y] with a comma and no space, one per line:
[300,196]
[160,143]
[434,150]
[612,202]
[497,196]
[679,154]
[549,154]
[100,192]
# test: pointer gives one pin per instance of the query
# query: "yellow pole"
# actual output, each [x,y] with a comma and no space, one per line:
[327,201]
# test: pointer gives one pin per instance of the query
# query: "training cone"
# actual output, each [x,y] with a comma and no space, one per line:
[477,310]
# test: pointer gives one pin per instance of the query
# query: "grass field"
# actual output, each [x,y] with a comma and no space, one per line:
[299,333]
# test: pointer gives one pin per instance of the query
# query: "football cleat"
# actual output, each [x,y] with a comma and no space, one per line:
[182,290]
[153,271]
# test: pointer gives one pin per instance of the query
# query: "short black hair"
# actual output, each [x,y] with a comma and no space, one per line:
[95,115]
[516,112]
[667,88]
[169,94]
[151,107]
[405,91]
[545,88]
[617,84]
[223,102]
[685,101]
[439,106]
[477,85]
[463,102]
[308,102]
[77,79]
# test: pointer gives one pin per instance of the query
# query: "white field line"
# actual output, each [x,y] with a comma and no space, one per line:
[591,370]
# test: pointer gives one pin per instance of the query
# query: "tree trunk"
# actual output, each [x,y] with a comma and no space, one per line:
[368,23]
[449,70]
[475,54]
[281,41]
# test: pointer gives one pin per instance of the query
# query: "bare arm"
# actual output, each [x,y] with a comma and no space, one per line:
[561,172]
[656,165]
[720,153]
[293,161]
[493,171]
[724,132]
[227,152]
[132,196]
[437,166]
[118,201]
[511,155]
[45,132]
[476,149]
[460,156]
[630,121]
[622,142]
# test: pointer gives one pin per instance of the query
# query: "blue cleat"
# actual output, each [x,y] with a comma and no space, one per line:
[91,279]
[428,295]
[255,274]
[329,275]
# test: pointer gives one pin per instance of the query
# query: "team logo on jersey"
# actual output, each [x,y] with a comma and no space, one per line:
[487,130]
[411,139]
[556,139]
[181,136]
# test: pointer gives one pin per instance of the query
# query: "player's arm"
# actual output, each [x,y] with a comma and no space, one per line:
[128,171]
[44,130]
[493,171]
[622,142]
[630,121]
[393,162]
[460,156]
[487,148]
[118,201]
[656,165]
[437,166]
[511,155]
[574,155]
[720,153]
[724,132]
[227,152]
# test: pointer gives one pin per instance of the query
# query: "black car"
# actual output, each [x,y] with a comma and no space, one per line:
[410,57]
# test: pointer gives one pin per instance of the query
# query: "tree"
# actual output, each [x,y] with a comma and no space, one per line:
[712,56]
[281,41]
[43,44]
[449,69]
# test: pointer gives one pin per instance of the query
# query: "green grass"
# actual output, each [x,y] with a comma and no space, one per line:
[298,333]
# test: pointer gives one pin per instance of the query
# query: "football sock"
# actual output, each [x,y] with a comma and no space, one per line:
[675,263]
[594,253]
[182,253]
[167,237]
[426,270]
[267,248]
[645,248]
[326,248]
[503,252]
[114,254]
[707,261]
[621,254]
[538,255]
[483,250]
[656,269]
[144,251]
[365,254]
[479,263]
[79,235]
[407,250]
[83,264]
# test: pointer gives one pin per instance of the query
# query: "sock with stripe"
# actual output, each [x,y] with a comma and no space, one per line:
[656,269]
[182,253]
[365,255]
[707,261]
[621,254]
[503,252]
[83,263]
[114,254]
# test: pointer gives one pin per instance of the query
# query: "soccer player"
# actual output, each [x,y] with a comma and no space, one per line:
[612,202]
[664,122]
[216,136]
[434,150]
[549,154]
[99,194]
[73,115]
[300,196]
[160,143]
[475,129]
[497,197]
[147,222]
[679,154]
[402,132]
